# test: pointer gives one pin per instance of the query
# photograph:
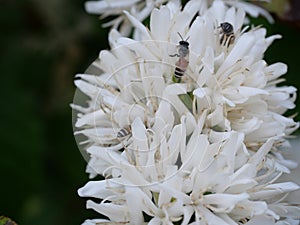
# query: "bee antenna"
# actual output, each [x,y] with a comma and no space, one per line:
[180,36]
[187,38]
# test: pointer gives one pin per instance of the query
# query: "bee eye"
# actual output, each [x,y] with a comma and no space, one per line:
[184,43]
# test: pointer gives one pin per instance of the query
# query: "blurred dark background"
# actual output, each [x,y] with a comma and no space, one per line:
[43,44]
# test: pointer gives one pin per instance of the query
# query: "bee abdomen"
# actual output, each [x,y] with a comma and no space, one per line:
[123,133]
[179,72]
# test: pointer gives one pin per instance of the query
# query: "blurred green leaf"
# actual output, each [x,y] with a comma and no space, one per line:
[279,7]
[6,221]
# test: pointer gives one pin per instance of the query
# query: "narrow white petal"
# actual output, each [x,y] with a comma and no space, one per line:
[176,142]
[240,49]
[261,219]
[255,11]
[98,189]
[138,25]
[259,155]
[210,217]
[224,202]
[276,70]
[94,118]
[285,210]
[113,212]
[273,190]
[163,18]
[134,200]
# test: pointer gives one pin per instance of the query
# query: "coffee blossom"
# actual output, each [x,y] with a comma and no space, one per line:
[141,10]
[201,149]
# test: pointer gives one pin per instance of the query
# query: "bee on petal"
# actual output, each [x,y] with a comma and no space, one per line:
[227,34]
[182,63]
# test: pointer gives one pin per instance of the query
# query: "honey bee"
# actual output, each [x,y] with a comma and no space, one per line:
[227,35]
[182,63]
[124,132]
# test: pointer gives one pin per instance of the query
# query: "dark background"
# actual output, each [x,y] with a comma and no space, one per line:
[43,44]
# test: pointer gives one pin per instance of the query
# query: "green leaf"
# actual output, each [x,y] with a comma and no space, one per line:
[187,100]
[279,7]
[6,221]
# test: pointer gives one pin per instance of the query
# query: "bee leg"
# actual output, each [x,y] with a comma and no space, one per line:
[231,39]
[174,55]
[222,39]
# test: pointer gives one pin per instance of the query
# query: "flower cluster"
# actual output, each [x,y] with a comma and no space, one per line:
[202,149]
[141,9]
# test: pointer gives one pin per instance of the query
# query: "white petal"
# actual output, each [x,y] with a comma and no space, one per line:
[270,191]
[138,25]
[285,210]
[240,49]
[210,217]
[249,208]
[98,221]
[255,11]
[176,89]
[261,219]
[97,189]
[176,143]
[93,118]
[134,200]
[208,59]
[260,154]
[224,202]
[276,70]
[163,18]
[192,155]
[113,212]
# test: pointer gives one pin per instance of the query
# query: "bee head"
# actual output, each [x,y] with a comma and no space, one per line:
[184,44]
[226,27]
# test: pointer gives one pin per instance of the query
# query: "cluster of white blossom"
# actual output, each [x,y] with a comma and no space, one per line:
[202,150]
[141,9]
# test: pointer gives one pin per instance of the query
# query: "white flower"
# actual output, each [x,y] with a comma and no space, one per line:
[251,9]
[204,150]
[214,183]
[233,84]
[141,9]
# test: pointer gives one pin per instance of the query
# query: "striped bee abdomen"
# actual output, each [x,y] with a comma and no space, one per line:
[123,133]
